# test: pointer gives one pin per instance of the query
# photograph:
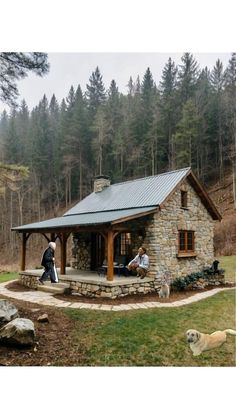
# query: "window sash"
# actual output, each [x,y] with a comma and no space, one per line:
[186,241]
[184,199]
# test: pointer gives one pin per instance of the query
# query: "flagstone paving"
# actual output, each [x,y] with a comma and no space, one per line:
[48,299]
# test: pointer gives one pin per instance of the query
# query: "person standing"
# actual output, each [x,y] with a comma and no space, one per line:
[140,263]
[48,262]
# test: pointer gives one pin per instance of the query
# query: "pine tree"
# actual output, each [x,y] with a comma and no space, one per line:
[186,136]
[95,92]
[217,82]
[15,66]
[168,105]
[187,77]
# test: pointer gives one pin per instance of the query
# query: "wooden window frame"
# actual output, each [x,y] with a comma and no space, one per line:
[186,252]
[124,243]
[184,199]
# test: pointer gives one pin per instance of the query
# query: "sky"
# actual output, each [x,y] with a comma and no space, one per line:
[67,69]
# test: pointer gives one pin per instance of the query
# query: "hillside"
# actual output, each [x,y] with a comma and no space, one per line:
[225,232]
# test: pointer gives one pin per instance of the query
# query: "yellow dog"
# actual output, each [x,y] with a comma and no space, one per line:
[200,342]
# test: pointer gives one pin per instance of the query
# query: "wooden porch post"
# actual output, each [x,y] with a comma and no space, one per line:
[110,270]
[53,236]
[23,251]
[63,253]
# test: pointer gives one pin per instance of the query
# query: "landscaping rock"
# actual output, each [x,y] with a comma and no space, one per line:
[18,332]
[8,312]
[43,318]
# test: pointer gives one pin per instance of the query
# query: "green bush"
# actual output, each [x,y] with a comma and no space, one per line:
[182,282]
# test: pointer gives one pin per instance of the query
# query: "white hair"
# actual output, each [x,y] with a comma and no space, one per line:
[52,245]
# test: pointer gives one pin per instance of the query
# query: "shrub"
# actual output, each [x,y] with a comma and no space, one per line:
[182,282]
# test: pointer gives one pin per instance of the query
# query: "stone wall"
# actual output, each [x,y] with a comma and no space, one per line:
[162,236]
[99,288]
[159,234]
[81,251]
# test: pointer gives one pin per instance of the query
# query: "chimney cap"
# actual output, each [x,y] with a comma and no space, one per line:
[102,177]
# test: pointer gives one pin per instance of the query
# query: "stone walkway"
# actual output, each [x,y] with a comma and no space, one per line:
[47,299]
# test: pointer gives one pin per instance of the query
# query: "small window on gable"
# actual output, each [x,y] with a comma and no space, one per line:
[184,199]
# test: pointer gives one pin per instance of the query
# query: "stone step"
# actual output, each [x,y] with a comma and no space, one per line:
[58,288]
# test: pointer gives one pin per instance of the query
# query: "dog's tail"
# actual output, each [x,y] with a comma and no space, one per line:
[230,332]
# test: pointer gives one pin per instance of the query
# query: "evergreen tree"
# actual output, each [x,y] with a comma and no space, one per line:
[168,106]
[15,66]
[12,143]
[95,92]
[186,136]
[217,82]
[187,77]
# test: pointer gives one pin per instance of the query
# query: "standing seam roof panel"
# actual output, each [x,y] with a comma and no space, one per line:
[143,192]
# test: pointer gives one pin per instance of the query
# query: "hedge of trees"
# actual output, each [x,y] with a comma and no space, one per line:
[188,119]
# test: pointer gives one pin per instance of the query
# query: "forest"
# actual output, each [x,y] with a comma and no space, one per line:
[189,119]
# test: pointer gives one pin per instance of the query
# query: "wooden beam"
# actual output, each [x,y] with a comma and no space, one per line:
[63,238]
[110,251]
[23,252]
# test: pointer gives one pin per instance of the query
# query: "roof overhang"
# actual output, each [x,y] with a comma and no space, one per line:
[204,196]
[73,222]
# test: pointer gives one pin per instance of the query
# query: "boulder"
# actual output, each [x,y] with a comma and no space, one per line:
[18,332]
[8,312]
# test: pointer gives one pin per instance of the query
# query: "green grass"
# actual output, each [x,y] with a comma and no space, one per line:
[154,337]
[8,276]
[229,264]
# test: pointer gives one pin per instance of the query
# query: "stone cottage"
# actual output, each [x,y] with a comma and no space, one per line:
[170,214]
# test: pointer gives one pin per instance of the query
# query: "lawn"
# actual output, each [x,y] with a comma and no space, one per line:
[229,264]
[155,337]
[8,276]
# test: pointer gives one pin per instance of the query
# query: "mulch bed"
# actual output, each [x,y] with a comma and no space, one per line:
[132,299]
[54,344]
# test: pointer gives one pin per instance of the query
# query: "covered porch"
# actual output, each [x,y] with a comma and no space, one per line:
[107,226]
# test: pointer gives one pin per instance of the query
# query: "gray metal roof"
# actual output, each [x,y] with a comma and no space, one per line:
[85,219]
[149,191]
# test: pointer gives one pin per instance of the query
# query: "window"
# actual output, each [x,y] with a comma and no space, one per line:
[122,244]
[184,199]
[186,242]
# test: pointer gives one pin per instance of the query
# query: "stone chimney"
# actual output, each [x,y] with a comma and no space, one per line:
[101,182]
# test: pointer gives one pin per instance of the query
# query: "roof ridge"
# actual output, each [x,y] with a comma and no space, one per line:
[152,176]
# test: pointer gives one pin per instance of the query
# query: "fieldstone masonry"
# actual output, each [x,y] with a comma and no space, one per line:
[162,236]
[160,232]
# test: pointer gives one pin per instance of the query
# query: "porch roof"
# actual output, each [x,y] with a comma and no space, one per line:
[95,218]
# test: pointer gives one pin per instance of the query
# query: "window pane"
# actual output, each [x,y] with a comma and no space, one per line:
[190,240]
[184,199]
[181,240]
[125,241]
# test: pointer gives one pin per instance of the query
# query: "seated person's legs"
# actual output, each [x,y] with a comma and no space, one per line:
[132,268]
[141,272]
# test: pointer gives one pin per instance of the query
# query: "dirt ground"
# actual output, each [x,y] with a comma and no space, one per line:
[54,344]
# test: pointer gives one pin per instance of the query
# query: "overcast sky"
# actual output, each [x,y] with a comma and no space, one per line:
[68,69]
[112,25]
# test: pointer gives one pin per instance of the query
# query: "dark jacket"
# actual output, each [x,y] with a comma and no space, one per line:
[47,259]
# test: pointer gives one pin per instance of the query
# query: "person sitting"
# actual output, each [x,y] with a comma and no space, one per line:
[140,263]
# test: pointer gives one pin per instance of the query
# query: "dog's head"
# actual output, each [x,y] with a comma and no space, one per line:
[192,335]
